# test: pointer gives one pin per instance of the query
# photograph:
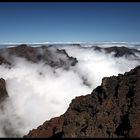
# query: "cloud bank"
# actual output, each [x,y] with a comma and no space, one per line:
[38,92]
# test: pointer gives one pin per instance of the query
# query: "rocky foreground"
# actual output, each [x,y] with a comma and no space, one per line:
[112,110]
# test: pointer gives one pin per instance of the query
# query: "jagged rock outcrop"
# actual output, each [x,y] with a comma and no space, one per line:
[111,110]
[3,91]
[49,55]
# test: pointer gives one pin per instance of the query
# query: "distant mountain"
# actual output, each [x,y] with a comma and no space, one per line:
[119,51]
[112,110]
[51,56]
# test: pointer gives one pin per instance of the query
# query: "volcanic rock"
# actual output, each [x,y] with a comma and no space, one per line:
[3,91]
[7,126]
[112,110]
[50,129]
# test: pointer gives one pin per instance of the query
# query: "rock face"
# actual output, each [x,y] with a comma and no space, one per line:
[49,55]
[3,91]
[112,110]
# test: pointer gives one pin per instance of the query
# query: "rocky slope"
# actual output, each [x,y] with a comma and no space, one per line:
[111,110]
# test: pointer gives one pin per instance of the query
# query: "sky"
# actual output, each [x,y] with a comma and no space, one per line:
[69,22]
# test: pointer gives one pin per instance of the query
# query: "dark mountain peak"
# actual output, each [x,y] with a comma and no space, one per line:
[23,46]
[111,110]
[76,44]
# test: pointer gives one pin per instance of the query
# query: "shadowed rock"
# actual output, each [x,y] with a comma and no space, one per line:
[112,110]
[3,91]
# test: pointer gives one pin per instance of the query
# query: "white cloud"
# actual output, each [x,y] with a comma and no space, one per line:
[39,92]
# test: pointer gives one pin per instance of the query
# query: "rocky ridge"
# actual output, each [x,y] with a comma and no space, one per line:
[112,110]
[53,57]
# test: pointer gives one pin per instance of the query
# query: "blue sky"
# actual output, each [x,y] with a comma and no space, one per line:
[65,22]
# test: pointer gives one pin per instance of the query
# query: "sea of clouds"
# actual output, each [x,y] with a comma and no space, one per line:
[38,92]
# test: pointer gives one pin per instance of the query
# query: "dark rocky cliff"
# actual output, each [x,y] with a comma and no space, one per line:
[111,110]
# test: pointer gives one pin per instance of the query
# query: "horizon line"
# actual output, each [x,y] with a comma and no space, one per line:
[70,42]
